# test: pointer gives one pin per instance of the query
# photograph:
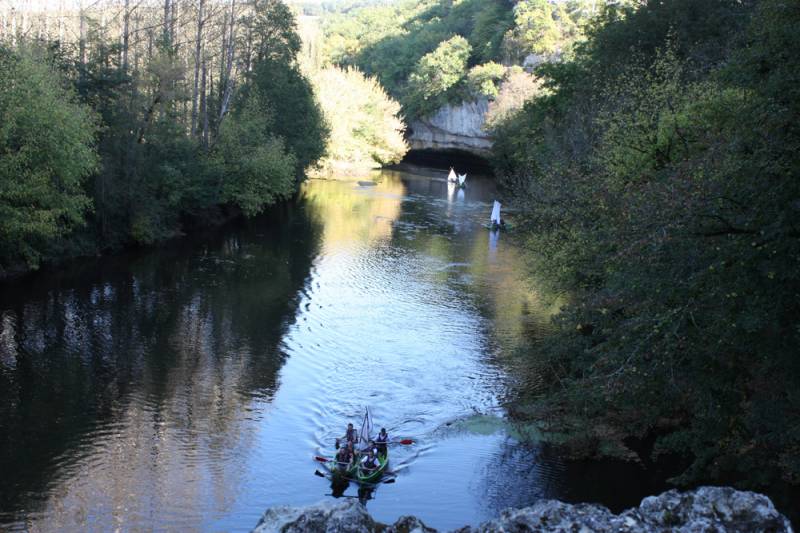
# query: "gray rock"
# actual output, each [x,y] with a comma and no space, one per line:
[707,509]
[454,127]
[710,509]
[409,524]
[325,517]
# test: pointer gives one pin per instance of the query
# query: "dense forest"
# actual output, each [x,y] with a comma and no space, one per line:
[658,180]
[431,52]
[127,122]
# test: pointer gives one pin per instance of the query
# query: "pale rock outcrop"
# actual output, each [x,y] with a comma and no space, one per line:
[717,509]
[454,127]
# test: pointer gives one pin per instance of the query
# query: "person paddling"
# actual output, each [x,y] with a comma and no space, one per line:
[381,440]
[370,463]
[350,436]
[344,458]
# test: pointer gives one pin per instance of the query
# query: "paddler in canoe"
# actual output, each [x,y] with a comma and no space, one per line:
[350,437]
[381,441]
[370,464]
[345,458]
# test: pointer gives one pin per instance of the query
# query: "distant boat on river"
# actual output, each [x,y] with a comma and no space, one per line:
[462,180]
[452,176]
[495,221]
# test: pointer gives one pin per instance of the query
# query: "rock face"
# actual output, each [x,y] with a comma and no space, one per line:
[717,509]
[454,127]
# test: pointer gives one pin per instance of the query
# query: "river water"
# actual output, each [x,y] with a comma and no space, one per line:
[190,387]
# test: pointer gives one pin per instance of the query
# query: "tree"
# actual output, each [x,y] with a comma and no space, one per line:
[435,74]
[483,80]
[255,168]
[302,124]
[46,153]
[366,126]
[535,30]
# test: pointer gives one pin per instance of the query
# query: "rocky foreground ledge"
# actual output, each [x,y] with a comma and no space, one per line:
[707,509]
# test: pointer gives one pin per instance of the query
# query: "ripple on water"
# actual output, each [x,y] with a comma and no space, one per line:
[206,383]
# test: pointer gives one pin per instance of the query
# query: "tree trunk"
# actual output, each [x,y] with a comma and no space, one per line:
[13,27]
[82,43]
[173,26]
[136,48]
[167,25]
[204,105]
[197,49]
[125,35]
[61,24]
[3,24]
[228,61]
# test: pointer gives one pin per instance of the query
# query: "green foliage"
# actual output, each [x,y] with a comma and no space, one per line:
[435,74]
[534,27]
[659,180]
[391,41]
[491,22]
[147,174]
[302,124]
[275,31]
[256,167]
[46,154]
[483,80]
[366,127]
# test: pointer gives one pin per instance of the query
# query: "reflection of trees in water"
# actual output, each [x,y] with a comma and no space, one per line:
[146,359]
[518,475]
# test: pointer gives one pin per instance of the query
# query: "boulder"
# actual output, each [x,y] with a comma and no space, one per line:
[712,509]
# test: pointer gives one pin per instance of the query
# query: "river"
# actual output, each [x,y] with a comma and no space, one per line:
[189,387]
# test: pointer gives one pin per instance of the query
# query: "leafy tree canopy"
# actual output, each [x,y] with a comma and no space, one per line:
[46,154]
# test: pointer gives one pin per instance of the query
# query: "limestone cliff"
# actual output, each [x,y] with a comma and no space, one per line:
[453,127]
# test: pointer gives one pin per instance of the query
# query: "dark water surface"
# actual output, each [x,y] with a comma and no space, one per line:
[190,387]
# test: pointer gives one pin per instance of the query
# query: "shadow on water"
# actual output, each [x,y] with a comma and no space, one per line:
[141,344]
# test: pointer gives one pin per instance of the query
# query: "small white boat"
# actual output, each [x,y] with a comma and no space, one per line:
[496,212]
[452,176]
[496,222]
[462,179]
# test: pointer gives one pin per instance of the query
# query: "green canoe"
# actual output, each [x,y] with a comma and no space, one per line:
[371,477]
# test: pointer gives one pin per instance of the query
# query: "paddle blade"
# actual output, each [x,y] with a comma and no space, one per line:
[321,459]
[406,441]
[388,481]
[318,473]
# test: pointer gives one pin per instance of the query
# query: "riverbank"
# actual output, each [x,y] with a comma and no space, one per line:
[704,509]
[82,246]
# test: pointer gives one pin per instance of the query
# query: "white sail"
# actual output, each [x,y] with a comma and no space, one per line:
[365,434]
[461,179]
[452,176]
[496,213]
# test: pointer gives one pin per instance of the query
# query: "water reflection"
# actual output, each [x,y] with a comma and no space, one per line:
[189,387]
[123,393]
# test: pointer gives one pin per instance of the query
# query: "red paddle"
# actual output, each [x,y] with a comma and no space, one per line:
[321,459]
